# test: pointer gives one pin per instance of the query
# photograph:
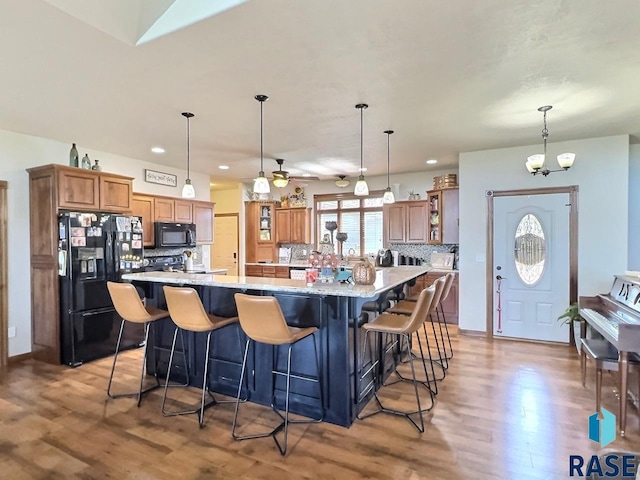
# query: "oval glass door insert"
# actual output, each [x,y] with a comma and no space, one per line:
[530,249]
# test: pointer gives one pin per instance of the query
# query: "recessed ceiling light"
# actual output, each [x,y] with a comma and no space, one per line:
[224,167]
[157,150]
[432,161]
[306,174]
[363,169]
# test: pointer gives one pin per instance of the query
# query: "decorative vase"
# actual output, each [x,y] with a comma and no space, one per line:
[73,156]
[97,166]
[86,163]
[364,273]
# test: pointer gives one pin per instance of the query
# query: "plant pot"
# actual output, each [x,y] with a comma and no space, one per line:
[577,326]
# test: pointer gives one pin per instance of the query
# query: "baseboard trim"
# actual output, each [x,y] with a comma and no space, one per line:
[472,333]
[20,358]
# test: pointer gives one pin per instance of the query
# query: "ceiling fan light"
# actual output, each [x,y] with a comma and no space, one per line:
[342,182]
[565,160]
[536,161]
[388,196]
[261,184]
[280,182]
[362,188]
[529,167]
[187,190]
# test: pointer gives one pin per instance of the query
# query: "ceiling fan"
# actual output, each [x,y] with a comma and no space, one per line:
[281,177]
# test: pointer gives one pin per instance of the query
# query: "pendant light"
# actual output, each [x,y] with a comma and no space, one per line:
[388,196]
[362,188]
[536,163]
[261,184]
[188,191]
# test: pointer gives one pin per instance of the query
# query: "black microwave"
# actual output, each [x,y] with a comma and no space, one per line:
[173,235]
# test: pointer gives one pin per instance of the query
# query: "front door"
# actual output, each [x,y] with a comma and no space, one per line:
[531,266]
[224,251]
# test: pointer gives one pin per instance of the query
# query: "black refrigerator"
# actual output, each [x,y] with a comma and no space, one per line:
[94,248]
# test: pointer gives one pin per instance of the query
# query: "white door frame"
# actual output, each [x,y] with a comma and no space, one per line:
[4,295]
[572,190]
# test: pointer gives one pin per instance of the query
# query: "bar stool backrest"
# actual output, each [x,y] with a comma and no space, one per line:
[421,310]
[127,302]
[262,320]
[186,309]
[447,286]
[439,284]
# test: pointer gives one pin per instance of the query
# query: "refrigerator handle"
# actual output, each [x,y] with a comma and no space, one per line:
[109,253]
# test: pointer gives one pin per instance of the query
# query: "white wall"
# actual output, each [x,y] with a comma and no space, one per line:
[634,203]
[601,171]
[19,152]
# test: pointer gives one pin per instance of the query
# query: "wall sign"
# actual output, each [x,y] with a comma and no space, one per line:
[161,178]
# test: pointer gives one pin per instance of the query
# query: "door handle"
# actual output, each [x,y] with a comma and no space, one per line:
[500,277]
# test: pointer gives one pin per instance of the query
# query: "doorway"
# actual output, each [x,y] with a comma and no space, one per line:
[532,262]
[4,294]
[225,243]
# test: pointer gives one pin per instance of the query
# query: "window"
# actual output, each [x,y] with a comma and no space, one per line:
[359,217]
[529,248]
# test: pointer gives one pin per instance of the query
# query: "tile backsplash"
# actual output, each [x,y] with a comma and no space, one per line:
[420,250]
[157,252]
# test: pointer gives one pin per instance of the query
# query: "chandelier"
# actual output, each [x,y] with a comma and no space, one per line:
[535,163]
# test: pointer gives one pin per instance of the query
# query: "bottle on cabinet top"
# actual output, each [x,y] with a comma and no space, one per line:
[96,167]
[73,156]
[86,163]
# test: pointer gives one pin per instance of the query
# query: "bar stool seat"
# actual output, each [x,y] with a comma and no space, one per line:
[188,314]
[606,358]
[403,327]
[262,321]
[129,306]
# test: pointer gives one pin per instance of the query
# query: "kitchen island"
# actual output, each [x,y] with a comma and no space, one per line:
[336,309]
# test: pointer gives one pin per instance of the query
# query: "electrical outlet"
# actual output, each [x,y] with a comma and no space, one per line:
[12,332]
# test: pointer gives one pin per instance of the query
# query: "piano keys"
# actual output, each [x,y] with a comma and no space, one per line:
[616,316]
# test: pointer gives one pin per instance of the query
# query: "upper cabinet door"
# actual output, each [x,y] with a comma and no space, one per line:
[78,189]
[183,211]
[283,226]
[416,222]
[143,206]
[115,194]
[300,225]
[203,218]
[164,210]
[394,223]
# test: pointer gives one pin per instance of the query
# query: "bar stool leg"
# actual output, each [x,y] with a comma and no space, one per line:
[166,382]
[448,354]
[115,359]
[434,361]
[205,381]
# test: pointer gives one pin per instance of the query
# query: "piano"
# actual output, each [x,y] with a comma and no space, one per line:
[616,316]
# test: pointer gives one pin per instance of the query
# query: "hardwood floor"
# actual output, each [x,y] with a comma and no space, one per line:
[506,410]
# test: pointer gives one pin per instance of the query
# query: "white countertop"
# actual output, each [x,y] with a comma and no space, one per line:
[294,264]
[386,278]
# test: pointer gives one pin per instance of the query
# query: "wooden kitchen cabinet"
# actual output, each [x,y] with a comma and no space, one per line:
[203,214]
[405,222]
[164,209]
[293,225]
[450,304]
[143,206]
[267,271]
[444,208]
[260,222]
[253,270]
[183,211]
[116,193]
[78,189]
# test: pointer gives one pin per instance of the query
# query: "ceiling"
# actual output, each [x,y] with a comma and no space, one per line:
[448,77]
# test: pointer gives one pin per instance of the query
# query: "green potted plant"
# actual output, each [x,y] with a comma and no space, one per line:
[572,317]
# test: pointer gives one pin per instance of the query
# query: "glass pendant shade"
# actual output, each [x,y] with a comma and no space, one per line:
[388,196]
[188,191]
[261,184]
[529,167]
[280,182]
[361,187]
[536,161]
[565,160]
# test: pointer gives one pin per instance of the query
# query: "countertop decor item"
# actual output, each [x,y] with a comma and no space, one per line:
[535,163]
[261,184]
[73,156]
[86,163]
[388,194]
[187,190]
[364,273]
[332,227]
[341,237]
[362,189]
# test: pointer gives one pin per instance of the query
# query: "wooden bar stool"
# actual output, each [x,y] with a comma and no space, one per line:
[606,358]
[129,306]
[262,321]
[403,327]
[188,314]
